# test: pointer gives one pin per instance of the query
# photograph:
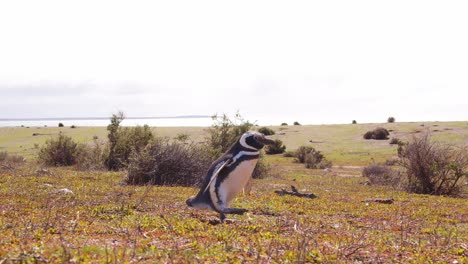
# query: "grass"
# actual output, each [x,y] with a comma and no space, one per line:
[105,221]
[342,144]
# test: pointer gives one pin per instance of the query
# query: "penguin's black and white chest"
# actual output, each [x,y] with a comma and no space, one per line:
[233,181]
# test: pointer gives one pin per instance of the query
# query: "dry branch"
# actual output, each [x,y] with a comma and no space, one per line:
[379,200]
[295,192]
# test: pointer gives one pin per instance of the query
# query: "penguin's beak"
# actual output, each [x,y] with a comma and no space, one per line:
[265,141]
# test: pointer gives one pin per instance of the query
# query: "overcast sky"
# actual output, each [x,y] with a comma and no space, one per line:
[311,61]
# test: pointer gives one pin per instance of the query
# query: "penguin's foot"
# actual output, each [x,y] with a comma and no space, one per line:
[238,211]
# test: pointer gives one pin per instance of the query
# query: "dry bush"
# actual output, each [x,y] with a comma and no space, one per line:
[9,162]
[276,148]
[381,175]
[379,133]
[92,157]
[168,163]
[433,167]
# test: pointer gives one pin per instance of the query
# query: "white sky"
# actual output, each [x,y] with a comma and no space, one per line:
[310,61]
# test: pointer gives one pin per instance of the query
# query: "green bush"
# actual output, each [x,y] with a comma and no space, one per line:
[301,153]
[124,140]
[297,123]
[60,124]
[391,120]
[312,158]
[354,122]
[168,163]
[266,131]
[262,169]
[225,132]
[284,124]
[289,154]
[60,151]
[276,148]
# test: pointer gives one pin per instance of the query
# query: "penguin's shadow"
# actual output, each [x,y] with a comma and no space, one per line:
[212,220]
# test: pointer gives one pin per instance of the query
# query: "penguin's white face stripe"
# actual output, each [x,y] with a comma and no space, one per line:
[242,153]
[243,143]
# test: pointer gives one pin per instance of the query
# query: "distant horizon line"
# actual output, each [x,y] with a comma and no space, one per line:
[100,118]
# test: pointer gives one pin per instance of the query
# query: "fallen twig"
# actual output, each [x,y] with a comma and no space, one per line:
[379,200]
[295,192]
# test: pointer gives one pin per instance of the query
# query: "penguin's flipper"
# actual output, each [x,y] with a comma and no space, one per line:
[215,175]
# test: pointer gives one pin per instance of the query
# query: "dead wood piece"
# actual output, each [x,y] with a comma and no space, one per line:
[379,200]
[295,192]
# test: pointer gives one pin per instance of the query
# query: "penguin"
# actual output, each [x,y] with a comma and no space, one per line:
[228,175]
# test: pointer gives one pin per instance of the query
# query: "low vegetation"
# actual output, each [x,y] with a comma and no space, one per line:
[277,148]
[312,158]
[123,141]
[379,133]
[266,131]
[382,175]
[60,151]
[60,214]
[434,167]
[168,163]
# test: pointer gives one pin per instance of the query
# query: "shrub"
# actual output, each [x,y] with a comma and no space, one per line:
[92,157]
[368,135]
[433,167]
[301,153]
[312,158]
[262,169]
[5,157]
[182,137]
[396,141]
[168,163]
[354,122]
[124,140]
[289,154]
[381,175]
[316,160]
[225,132]
[379,133]
[73,126]
[60,151]
[284,124]
[266,131]
[276,148]
[297,123]
[391,120]
[60,124]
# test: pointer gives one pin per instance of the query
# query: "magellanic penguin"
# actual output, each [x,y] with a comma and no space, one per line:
[229,174]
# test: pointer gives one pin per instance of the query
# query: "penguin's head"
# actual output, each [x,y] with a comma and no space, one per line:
[254,140]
